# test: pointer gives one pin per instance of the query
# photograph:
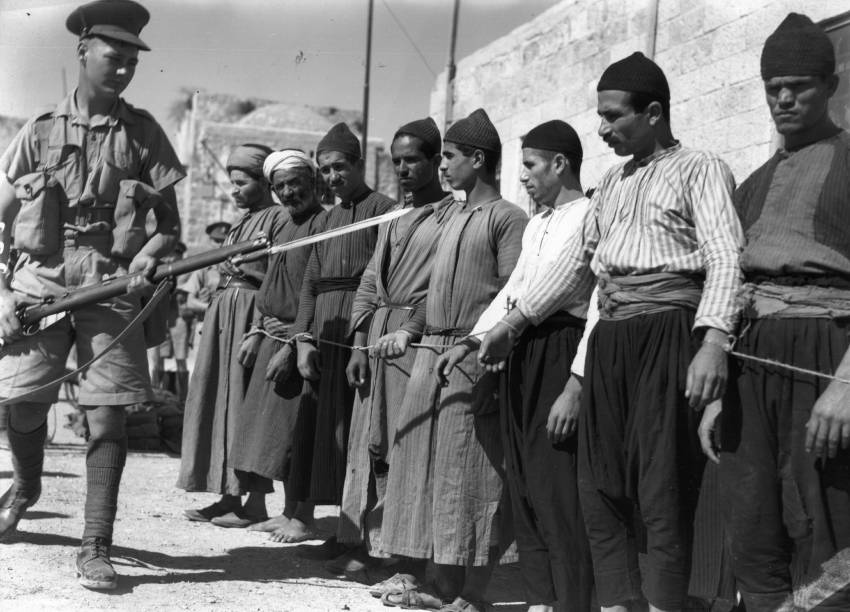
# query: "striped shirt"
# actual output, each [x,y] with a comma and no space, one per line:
[669,212]
[542,242]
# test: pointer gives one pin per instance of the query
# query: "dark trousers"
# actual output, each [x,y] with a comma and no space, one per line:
[787,511]
[640,462]
[554,554]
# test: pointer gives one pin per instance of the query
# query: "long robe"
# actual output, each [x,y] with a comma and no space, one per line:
[263,437]
[392,292]
[327,295]
[218,383]
[445,483]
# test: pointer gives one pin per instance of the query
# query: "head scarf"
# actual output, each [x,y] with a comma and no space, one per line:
[248,158]
[285,159]
[476,131]
[798,47]
[637,74]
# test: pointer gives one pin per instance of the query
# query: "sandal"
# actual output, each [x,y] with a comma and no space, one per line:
[395,583]
[415,599]
[205,515]
[462,605]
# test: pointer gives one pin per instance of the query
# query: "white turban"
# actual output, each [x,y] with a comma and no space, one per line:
[288,158]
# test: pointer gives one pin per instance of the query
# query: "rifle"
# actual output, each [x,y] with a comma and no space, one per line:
[53,308]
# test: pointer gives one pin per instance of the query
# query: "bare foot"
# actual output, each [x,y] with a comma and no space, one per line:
[273,524]
[295,531]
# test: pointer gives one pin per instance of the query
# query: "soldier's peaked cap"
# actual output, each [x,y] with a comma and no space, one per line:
[120,20]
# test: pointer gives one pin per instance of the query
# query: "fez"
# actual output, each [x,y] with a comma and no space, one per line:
[798,47]
[425,130]
[557,136]
[248,158]
[120,20]
[475,131]
[218,230]
[637,74]
[340,138]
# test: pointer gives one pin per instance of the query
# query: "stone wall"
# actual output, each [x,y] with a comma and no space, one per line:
[548,68]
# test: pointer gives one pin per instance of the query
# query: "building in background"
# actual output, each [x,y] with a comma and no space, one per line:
[210,125]
[548,68]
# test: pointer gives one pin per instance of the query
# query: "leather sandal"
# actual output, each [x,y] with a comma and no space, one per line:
[395,583]
[462,605]
[412,599]
[237,520]
[208,513]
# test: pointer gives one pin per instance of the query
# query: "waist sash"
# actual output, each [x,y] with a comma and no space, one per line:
[622,297]
[337,283]
[772,301]
[233,282]
[454,332]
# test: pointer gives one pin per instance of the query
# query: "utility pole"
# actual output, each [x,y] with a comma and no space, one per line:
[366,83]
[451,68]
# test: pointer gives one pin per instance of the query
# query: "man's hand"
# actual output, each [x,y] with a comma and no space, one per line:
[281,365]
[308,361]
[708,372]
[391,345]
[228,268]
[248,350]
[10,326]
[146,264]
[357,370]
[449,360]
[563,415]
[828,428]
[708,430]
[496,346]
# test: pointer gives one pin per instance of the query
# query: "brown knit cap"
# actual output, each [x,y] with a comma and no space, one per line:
[637,74]
[476,131]
[425,129]
[798,47]
[340,138]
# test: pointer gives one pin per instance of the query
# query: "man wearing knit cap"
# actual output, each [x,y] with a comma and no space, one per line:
[277,396]
[539,409]
[445,486]
[330,283]
[785,443]
[388,314]
[663,238]
[77,183]
[223,364]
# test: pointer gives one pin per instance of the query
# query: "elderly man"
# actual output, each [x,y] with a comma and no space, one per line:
[445,485]
[73,182]
[262,441]
[324,310]
[389,313]
[785,458]
[663,237]
[218,384]
[539,404]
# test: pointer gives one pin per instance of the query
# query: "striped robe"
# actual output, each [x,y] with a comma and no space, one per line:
[392,292]
[445,482]
[324,310]
[218,383]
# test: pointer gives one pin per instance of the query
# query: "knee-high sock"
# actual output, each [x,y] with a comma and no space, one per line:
[104,465]
[27,458]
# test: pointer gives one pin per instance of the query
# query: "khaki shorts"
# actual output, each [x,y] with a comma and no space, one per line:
[120,377]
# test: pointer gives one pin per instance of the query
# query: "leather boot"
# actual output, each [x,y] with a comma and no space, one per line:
[94,568]
[27,463]
[13,504]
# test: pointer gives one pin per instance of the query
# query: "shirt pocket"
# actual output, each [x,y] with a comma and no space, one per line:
[134,201]
[38,223]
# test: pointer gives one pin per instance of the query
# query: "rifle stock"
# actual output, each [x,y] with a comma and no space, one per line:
[91,294]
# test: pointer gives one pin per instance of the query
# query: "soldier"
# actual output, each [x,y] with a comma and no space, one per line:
[78,182]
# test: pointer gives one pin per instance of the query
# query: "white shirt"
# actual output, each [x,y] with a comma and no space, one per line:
[543,242]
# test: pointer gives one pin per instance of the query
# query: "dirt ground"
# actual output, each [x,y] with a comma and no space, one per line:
[166,562]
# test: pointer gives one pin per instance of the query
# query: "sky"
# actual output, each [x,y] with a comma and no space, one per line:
[299,51]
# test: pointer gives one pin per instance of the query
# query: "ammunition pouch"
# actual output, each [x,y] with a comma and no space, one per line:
[133,202]
[38,224]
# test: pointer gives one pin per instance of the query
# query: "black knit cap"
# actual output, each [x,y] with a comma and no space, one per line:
[476,131]
[120,20]
[637,74]
[425,129]
[340,138]
[798,47]
[556,135]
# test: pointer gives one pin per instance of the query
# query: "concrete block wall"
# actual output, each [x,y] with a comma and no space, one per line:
[548,68]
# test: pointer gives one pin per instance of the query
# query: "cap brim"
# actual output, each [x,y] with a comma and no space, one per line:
[119,34]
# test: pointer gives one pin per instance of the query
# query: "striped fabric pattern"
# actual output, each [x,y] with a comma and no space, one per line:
[670,212]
